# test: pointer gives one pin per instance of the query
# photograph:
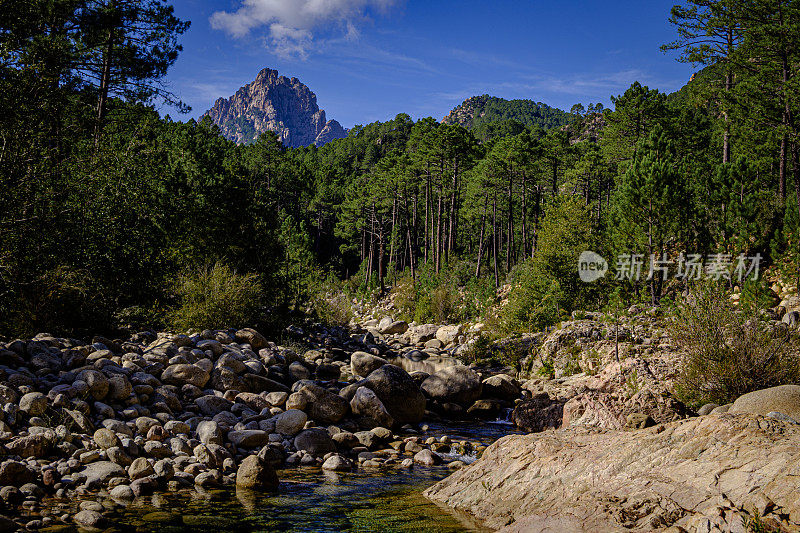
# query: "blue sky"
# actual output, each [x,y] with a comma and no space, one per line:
[369,60]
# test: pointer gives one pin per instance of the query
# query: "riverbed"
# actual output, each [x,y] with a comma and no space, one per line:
[387,500]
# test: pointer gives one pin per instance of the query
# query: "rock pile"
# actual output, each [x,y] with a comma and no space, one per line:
[170,412]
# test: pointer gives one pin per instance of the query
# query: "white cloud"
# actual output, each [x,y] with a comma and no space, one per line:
[291,24]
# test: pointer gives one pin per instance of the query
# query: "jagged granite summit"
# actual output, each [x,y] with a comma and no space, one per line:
[275,103]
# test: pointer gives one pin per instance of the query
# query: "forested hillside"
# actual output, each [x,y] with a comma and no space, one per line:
[106,206]
[488,116]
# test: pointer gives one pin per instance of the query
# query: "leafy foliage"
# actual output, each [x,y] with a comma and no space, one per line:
[105,203]
[480,113]
[216,297]
[730,352]
[546,287]
[451,295]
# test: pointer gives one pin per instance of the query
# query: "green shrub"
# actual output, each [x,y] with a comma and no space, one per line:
[573,363]
[535,301]
[547,370]
[488,350]
[755,524]
[572,367]
[479,294]
[632,383]
[730,352]
[217,297]
[547,287]
[441,306]
[137,318]
[331,303]
[480,350]
[757,295]
[451,295]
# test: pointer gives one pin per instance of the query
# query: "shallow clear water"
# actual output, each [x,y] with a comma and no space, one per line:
[309,500]
[385,500]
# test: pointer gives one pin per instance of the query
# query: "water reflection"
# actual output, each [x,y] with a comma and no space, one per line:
[309,500]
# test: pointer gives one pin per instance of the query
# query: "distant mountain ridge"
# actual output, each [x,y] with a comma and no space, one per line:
[275,103]
[480,110]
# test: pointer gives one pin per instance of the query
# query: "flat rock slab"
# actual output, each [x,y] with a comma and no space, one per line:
[102,471]
[674,474]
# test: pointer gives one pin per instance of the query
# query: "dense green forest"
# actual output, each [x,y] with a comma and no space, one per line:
[108,209]
[489,117]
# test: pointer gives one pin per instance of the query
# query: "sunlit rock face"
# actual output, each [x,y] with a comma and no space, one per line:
[275,103]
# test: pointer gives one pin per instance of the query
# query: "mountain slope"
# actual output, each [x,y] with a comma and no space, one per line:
[479,110]
[275,103]
[696,90]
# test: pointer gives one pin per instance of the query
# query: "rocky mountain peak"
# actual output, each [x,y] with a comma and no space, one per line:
[465,112]
[276,103]
[481,110]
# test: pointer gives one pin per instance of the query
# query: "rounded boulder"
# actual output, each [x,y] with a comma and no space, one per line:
[457,384]
[363,363]
[398,392]
[783,399]
[315,441]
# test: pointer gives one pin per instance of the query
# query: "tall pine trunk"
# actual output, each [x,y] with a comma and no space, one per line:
[524,216]
[438,249]
[480,240]
[510,236]
[105,81]
[494,241]
[452,221]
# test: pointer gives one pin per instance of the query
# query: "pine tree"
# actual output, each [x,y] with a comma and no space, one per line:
[648,202]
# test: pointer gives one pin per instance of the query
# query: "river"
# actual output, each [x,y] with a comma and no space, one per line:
[385,500]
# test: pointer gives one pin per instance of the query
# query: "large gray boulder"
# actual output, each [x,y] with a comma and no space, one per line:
[502,387]
[182,374]
[398,392]
[363,363]
[209,432]
[422,333]
[105,438]
[290,422]
[97,382]
[323,406]
[258,384]
[33,403]
[15,473]
[457,384]
[614,411]
[101,472]
[315,441]
[37,445]
[393,328]
[448,334]
[119,388]
[538,413]
[90,519]
[701,474]
[791,319]
[336,463]
[370,408]
[250,336]
[248,438]
[784,399]
[253,473]
[211,405]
